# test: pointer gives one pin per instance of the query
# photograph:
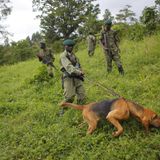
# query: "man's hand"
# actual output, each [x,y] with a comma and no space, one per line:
[82,73]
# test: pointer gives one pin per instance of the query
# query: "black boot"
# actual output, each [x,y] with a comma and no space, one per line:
[121,71]
[51,75]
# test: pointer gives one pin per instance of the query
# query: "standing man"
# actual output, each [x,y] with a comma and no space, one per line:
[109,41]
[91,40]
[47,58]
[72,74]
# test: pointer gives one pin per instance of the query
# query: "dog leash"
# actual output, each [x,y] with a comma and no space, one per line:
[108,90]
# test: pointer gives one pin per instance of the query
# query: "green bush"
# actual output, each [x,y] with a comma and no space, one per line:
[131,32]
[17,52]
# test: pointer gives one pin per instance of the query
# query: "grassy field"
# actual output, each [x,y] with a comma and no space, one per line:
[30,125]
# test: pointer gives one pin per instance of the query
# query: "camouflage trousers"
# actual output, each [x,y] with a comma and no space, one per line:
[91,51]
[73,87]
[113,56]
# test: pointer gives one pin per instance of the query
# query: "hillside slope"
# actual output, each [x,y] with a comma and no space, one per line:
[30,125]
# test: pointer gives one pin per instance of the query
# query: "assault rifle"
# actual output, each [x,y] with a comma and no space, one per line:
[73,75]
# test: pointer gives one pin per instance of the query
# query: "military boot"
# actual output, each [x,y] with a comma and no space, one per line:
[51,75]
[121,71]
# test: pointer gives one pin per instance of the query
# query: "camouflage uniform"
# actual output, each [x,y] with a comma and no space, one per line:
[72,79]
[109,40]
[47,58]
[91,40]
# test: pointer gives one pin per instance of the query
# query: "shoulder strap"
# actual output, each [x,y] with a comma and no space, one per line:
[74,63]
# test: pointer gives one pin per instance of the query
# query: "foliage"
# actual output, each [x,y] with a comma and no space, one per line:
[126,15]
[31,127]
[149,19]
[61,19]
[57,46]
[17,51]
[134,32]
[92,25]
[5,10]
[36,37]
[157,2]
[107,15]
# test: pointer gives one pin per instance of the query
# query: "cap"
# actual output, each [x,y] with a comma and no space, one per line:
[108,22]
[69,42]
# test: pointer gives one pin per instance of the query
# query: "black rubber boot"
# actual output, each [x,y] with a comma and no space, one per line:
[121,71]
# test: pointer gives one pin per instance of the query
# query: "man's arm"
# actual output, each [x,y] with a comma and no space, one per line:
[69,67]
[40,56]
[103,42]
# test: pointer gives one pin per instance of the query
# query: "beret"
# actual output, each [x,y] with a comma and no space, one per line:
[108,22]
[69,42]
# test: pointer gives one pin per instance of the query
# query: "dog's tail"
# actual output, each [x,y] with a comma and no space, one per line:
[75,106]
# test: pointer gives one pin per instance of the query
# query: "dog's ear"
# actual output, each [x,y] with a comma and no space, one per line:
[155,121]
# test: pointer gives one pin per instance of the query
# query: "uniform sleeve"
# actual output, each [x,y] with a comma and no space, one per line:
[69,67]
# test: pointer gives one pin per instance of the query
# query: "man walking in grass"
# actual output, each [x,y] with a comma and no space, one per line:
[72,74]
[109,41]
[47,58]
[91,41]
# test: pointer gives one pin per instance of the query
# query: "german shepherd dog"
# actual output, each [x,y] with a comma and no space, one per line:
[114,111]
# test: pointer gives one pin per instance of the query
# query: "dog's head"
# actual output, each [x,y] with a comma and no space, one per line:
[156,121]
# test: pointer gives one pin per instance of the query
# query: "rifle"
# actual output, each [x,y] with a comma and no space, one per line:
[106,42]
[73,75]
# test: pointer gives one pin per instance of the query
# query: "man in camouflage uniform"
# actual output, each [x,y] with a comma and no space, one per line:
[91,40]
[72,75]
[47,58]
[109,41]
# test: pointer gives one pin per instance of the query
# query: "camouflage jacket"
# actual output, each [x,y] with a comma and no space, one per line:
[70,64]
[110,40]
[46,56]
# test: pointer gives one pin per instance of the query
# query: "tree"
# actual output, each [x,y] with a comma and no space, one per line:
[62,18]
[36,37]
[149,18]
[107,15]
[5,10]
[126,15]
[157,2]
[158,10]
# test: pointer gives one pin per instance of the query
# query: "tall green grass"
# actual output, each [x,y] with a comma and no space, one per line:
[30,125]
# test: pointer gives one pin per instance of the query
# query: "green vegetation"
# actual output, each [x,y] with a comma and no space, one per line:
[17,52]
[30,125]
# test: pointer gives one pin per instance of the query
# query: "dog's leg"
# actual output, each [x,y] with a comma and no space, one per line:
[145,123]
[92,127]
[91,120]
[117,125]
[114,117]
